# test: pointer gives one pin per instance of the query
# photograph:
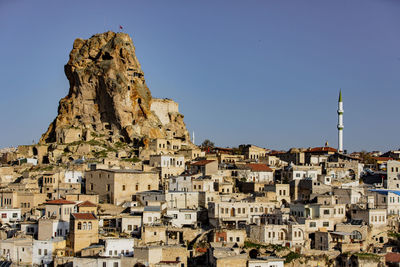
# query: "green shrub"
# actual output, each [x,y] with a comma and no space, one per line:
[292,256]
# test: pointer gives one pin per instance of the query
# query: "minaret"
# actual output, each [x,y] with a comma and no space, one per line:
[193,138]
[340,125]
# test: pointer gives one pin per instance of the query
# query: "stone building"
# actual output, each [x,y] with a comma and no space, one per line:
[393,175]
[206,167]
[252,152]
[256,173]
[117,186]
[84,231]
[167,165]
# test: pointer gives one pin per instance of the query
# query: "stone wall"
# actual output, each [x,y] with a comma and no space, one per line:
[162,108]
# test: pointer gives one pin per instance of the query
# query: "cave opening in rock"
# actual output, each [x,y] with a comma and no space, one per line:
[107,56]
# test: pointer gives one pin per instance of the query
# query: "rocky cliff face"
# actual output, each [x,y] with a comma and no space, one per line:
[108,96]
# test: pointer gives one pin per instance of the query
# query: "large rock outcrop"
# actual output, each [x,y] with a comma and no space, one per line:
[108,97]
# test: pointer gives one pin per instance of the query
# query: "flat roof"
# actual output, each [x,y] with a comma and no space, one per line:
[124,171]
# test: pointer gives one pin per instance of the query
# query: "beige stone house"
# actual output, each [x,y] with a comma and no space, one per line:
[167,165]
[116,186]
[206,167]
[160,255]
[87,207]
[60,209]
[236,213]
[25,200]
[253,153]
[18,250]
[84,228]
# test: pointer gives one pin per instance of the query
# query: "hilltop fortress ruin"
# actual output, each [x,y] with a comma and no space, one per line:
[109,108]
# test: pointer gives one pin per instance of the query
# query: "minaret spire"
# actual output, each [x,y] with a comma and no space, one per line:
[340,125]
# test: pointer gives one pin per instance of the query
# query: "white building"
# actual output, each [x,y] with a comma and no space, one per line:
[185,200]
[169,165]
[294,172]
[73,177]
[266,262]
[182,217]
[256,173]
[151,214]
[10,215]
[131,224]
[42,251]
[117,247]
[180,183]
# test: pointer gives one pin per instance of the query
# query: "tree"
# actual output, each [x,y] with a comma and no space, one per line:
[207,145]
[366,157]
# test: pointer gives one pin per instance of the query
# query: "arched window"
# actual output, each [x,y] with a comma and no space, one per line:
[79,226]
[89,225]
[84,226]
[356,235]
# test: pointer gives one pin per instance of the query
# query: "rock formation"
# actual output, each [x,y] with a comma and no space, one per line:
[108,97]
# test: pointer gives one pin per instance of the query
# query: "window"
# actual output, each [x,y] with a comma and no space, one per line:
[137,187]
[115,252]
[4,215]
[110,252]
[89,225]
[326,212]
[79,226]
[148,187]
[313,224]
[115,264]
[123,187]
[40,251]
[84,226]
[104,264]
[45,252]
[356,235]
[15,215]
[108,187]
[222,210]
[188,216]
[237,239]
[325,224]
[129,227]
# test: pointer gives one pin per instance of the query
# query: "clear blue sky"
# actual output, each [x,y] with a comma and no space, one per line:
[262,72]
